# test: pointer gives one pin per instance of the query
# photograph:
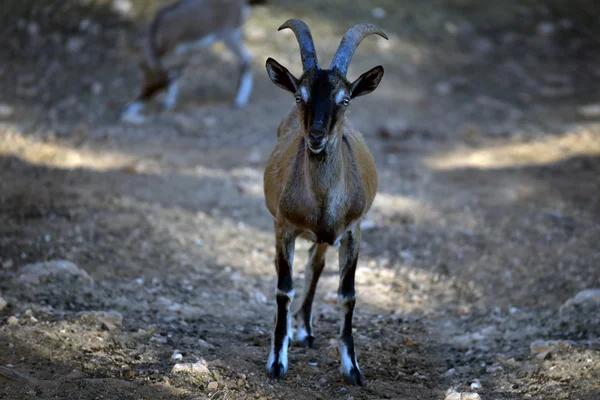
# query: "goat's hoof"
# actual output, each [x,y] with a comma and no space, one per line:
[277,371]
[354,377]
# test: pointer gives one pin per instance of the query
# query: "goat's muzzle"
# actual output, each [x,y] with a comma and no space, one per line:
[317,139]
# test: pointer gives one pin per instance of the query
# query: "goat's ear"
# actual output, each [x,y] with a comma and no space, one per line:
[281,76]
[367,82]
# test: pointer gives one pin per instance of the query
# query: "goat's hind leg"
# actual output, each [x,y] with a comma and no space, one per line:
[244,87]
[346,301]
[314,267]
[277,364]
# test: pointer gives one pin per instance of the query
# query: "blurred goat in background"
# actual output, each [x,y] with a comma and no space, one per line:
[190,25]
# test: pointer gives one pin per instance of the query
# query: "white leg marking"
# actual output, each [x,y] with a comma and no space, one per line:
[346,361]
[301,333]
[245,89]
[171,98]
[283,355]
[131,113]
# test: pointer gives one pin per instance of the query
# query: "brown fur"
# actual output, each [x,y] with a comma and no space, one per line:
[299,187]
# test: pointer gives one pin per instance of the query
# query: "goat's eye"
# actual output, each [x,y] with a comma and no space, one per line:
[346,101]
[298,99]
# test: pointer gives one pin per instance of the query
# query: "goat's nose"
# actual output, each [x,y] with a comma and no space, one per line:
[316,135]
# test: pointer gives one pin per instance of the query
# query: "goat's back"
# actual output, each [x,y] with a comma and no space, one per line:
[189,20]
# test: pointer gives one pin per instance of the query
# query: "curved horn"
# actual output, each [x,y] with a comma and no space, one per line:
[350,42]
[304,37]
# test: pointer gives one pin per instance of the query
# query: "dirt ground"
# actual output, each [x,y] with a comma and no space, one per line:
[486,133]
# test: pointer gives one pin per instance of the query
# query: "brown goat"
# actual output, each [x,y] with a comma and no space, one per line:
[319,182]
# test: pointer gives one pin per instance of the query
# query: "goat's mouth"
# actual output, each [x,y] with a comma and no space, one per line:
[317,146]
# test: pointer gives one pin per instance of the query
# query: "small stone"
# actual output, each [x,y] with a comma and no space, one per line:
[44,271]
[8,263]
[313,364]
[585,301]
[205,344]
[96,88]
[158,339]
[546,28]
[33,29]
[454,395]
[378,13]
[129,373]
[198,368]
[6,111]
[449,373]
[110,320]
[13,320]
[543,349]
[3,303]
[177,356]
[490,369]
[475,385]
[443,88]
[75,374]
[75,44]
[213,385]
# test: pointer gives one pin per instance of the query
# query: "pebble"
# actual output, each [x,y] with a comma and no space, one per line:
[3,303]
[205,344]
[6,111]
[177,356]
[43,271]
[8,263]
[543,349]
[475,385]
[110,320]
[198,368]
[75,44]
[213,385]
[546,28]
[443,88]
[13,320]
[586,301]
[454,395]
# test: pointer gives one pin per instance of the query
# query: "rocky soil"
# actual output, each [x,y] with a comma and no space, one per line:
[136,259]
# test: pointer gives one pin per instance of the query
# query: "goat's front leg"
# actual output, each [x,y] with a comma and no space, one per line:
[314,267]
[346,300]
[284,247]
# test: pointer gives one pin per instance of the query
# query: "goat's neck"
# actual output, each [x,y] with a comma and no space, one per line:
[325,171]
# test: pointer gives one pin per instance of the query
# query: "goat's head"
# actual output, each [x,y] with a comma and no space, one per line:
[323,95]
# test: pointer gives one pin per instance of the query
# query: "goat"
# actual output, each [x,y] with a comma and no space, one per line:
[319,182]
[189,25]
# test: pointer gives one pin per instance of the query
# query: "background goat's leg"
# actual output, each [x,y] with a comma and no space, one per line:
[236,44]
[284,258]
[314,267]
[346,300]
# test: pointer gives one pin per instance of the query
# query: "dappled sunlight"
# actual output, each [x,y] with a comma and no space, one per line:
[388,207]
[14,143]
[545,150]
